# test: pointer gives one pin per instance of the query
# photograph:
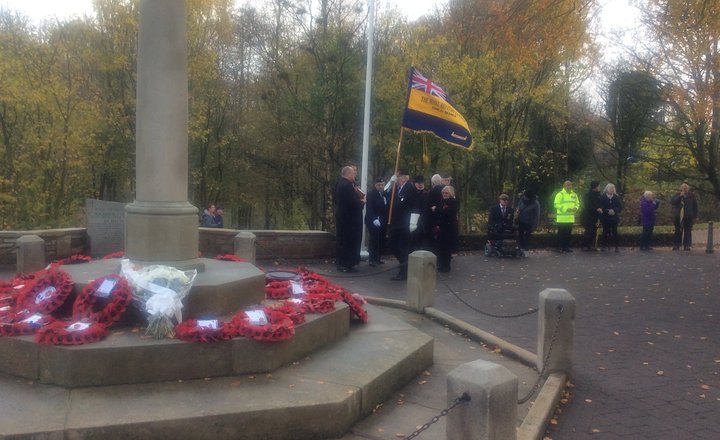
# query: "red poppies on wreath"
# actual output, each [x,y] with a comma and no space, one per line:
[117,254]
[74,259]
[231,257]
[276,289]
[279,326]
[49,291]
[22,323]
[104,300]
[71,333]
[194,330]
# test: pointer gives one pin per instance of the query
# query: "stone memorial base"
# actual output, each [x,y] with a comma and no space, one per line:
[317,396]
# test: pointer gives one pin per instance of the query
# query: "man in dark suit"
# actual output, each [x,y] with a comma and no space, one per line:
[500,219]
[403,221]
[348,221]
[376,212]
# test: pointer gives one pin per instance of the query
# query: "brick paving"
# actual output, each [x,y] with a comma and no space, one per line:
[647,354]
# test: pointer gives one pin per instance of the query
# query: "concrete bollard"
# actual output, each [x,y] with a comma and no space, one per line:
[491,413]
[30,254]
[421,280]
[556,311]
[710,245]
[245,245]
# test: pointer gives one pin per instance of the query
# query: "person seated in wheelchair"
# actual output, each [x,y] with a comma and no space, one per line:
[500,220]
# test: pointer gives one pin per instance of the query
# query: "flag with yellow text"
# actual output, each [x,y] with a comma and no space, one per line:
[430,109]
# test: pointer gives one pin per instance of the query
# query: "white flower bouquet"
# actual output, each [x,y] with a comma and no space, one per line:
[160,290]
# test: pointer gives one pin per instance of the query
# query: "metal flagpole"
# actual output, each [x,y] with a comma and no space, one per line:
[366,115]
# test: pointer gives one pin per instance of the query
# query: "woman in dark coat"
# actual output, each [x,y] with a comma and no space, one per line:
[445,228]
[528,213]
[610,217]
[648,206]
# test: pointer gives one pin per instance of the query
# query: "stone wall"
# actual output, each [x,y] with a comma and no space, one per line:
[59,243]
[291,245]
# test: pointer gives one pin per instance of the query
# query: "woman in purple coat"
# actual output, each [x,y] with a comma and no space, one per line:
[648,206]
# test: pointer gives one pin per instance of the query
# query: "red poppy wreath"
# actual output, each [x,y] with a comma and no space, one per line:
[104,300]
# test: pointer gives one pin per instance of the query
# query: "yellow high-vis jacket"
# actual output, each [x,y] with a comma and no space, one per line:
[567,204]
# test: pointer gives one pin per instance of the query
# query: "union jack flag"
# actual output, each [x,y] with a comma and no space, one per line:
[419,82]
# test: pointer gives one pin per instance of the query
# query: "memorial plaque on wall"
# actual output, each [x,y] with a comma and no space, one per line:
[105,226]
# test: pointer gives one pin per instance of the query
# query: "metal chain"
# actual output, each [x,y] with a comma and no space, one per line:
[541,374]
[492,315]
[465,397]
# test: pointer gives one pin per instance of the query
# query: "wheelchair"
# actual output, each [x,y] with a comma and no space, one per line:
[502,242]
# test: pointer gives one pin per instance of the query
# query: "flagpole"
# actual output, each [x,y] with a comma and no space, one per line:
[366,113]
[397,167]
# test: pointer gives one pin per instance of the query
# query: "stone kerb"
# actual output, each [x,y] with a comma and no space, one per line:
[491,413]
[556,330]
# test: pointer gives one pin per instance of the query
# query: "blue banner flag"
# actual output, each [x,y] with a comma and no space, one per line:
[430,109]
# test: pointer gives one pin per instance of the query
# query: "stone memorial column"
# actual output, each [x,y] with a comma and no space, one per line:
[161,226]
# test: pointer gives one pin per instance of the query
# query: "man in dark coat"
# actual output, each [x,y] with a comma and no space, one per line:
[376,221]
[684,210]
[403,220]
[500,218]
[419,237]
[348,221]
[591,216]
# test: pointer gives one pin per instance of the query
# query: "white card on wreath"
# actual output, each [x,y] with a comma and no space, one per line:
[105,288]
[257,317]
[297,288]
[208,323]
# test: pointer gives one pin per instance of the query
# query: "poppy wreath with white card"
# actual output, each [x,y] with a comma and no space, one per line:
[23,323]
[49,291]
[263,324]
[71,333]
[201,330]
[104,300]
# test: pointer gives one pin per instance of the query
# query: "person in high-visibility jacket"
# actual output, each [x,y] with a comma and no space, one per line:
[567,204]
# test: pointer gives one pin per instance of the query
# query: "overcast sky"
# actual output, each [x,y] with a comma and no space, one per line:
[615,12]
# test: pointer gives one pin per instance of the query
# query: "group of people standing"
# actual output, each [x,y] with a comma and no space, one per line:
[601,217]
[212,217]
[408,215]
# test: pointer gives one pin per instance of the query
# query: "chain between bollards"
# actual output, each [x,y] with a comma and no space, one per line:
[465,397]
[541,374]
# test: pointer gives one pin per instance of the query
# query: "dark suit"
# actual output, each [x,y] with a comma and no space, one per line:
[405,202]
[445,232]
[499,223]
[348,224]
[376,208]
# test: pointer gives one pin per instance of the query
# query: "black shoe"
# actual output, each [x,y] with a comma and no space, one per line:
[568,250]
[686,248]
[399,277]
[372,264]
[675,248]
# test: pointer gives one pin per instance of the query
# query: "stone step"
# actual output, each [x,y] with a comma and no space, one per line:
[318,397]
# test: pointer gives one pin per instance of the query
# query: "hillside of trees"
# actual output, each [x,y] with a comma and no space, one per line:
[276,105]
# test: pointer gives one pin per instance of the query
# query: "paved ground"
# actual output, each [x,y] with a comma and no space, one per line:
[647,354]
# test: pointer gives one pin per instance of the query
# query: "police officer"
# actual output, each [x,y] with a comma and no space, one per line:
[567,204]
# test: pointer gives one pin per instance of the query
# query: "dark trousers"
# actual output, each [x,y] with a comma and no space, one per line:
[646,237]
[524,231]
[375,243]
[400,246]
[590,234]
[683,232]
[564,231]
[610,234]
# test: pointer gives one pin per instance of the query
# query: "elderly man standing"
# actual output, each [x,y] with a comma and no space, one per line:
[567,204]
[403,220]
[348,221]
[684,210]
